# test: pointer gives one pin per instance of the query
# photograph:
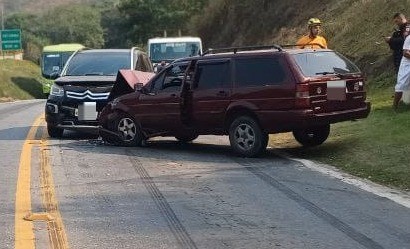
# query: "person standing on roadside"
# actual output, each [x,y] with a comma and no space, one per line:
[313,39]
[403,76]
[396,41]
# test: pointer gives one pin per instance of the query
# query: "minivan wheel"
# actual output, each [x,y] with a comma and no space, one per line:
[312,136]
[129,131]
[186,138]
[246,137]
[54,132]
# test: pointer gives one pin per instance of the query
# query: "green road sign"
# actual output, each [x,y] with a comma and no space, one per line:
[10,39]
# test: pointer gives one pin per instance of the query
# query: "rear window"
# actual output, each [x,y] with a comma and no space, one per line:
[326,62]
[99,63]
[259,72]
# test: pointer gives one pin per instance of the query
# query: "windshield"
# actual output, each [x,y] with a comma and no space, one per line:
[173,50]
[54,62]
[322,63]
[98,63]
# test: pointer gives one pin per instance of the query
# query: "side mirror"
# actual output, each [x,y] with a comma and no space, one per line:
[54,75]
[139,87]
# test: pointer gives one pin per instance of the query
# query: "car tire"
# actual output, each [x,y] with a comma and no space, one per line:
[186,138]
[246,137]
[129,131]
[54,132]
[312,136]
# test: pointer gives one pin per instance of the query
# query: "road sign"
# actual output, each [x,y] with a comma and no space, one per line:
[10,39]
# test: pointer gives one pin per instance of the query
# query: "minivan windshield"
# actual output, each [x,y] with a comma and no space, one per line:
[98,63]
[54,62]
[170,51]
[324,62]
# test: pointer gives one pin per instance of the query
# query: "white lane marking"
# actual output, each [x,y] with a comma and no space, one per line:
[398,196]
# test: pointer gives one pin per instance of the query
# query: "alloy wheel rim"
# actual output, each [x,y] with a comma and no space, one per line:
[127,129]
[245,136]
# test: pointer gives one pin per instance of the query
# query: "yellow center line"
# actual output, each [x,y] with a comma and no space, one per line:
[24,234]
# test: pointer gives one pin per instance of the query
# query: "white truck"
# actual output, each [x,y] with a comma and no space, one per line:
[166,50]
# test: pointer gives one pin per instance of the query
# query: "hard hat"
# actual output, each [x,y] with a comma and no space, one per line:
[314,22]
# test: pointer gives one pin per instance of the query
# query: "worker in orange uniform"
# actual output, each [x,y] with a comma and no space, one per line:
[313,39]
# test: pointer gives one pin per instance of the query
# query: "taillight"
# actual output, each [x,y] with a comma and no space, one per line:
[302,99]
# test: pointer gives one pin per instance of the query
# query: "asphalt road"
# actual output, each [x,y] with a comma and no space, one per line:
[171,195]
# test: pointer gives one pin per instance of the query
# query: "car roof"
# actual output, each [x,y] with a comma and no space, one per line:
[174,39]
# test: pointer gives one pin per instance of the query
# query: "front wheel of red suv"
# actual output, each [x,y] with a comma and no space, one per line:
[246,137]
[129,131]
[312,136]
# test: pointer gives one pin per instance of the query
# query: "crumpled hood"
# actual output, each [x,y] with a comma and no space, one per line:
[127,80]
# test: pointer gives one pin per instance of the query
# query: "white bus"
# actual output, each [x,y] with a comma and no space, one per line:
[171,48]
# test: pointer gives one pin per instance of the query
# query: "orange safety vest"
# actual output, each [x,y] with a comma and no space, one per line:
[309,42]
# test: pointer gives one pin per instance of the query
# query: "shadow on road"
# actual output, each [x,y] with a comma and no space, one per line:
[16,133]
[201,150]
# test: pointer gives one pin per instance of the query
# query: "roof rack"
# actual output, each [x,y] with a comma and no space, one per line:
[244,48]
[301,46]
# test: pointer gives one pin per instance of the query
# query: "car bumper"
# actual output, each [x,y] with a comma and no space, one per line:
[286,121]
[64,118]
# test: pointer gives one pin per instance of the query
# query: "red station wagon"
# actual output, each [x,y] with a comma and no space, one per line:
[246,93]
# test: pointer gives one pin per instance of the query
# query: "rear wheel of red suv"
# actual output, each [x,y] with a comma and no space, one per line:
[128,130]
[246,137]
[312,136]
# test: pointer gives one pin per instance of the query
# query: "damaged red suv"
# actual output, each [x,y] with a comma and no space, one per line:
[246,93]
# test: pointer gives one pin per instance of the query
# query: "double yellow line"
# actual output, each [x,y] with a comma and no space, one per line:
[24,218]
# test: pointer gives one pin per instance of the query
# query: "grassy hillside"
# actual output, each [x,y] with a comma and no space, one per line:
[19,80]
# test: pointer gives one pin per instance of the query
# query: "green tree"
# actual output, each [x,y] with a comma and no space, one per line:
[139,20]
[73,23]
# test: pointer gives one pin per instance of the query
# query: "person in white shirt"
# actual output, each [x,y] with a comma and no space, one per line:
[403,76]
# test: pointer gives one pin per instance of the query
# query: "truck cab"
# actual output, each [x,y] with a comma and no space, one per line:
[162,51]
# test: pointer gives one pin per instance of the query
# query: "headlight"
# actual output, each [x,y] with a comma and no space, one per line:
[57,90]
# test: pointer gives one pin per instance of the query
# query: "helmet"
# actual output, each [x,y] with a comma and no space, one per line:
[314,22]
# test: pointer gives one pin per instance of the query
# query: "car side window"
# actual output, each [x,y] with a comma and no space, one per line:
[174,77]
[212,75]
[261,71]
[157,83]
[170,79]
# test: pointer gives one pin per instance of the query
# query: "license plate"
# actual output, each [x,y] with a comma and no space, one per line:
[87,111]
[336,90]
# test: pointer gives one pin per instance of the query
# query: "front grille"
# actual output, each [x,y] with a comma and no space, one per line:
[87,95]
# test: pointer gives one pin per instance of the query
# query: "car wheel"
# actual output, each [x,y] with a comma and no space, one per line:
[312,136]
[186,138]
[246,137]
[129,131]
[54,132]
